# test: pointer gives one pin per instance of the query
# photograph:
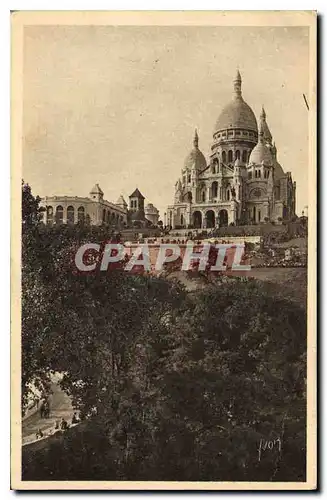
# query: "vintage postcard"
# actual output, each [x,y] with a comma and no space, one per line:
[164,250]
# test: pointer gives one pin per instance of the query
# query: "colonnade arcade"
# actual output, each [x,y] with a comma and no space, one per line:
[209,219]
[59,214]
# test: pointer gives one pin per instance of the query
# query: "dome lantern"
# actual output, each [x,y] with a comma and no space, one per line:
[196,139]
[238,85]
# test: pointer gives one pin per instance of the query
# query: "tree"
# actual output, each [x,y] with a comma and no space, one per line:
[31,211]
[237,376]
[193,393]
[172,386]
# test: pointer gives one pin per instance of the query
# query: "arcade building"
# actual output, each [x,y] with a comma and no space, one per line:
[95,210]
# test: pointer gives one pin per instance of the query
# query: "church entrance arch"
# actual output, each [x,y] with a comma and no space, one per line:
[223,218]
[197,219]
[210,219]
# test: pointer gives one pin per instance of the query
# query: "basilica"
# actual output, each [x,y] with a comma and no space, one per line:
[242,183]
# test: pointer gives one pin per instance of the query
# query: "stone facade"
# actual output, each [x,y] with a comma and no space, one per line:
[242,182]
[92,210]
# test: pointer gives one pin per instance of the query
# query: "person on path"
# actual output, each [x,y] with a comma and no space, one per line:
[63,424]
[42,409]
[75,419]
[39,434]
[47,410]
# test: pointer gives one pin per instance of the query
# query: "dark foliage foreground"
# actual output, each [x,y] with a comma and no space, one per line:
[171,386]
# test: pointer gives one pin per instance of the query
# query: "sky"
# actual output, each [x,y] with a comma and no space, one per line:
[118,105]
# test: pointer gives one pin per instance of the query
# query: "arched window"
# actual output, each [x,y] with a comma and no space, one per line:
[81,215]
[230,156]
[49,215]
[182,220]
[213,168]
[244,156]
[104,215]
[228,195]
[203,196]
[214,189]
[259,173]
[189,178]
[237,155]
[108,217]
[250,175]
[70,214]
[59,214]
[223,156]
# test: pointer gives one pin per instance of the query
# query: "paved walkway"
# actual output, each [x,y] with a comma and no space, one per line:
[60,406]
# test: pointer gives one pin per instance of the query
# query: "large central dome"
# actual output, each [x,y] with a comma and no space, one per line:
[237,114]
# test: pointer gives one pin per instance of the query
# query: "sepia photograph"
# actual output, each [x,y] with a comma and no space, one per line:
[163,253]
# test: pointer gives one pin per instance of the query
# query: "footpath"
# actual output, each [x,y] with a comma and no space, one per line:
[60,407]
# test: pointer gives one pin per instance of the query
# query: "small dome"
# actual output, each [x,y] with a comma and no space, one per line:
[195,159]
[151,209]
[261,155]
[96,190]
[121,201]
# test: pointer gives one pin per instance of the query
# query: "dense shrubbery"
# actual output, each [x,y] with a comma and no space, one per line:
[172,386]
